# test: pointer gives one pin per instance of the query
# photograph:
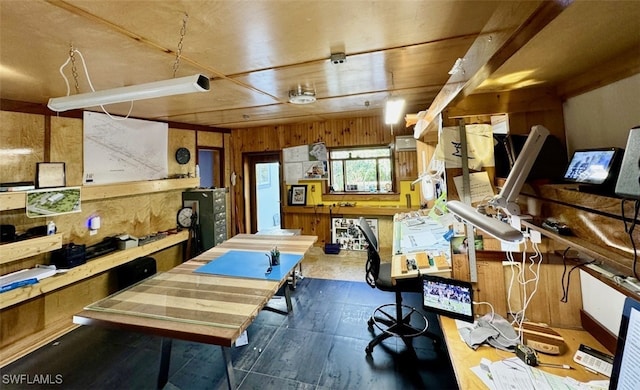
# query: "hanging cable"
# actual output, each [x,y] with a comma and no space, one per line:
[74,71]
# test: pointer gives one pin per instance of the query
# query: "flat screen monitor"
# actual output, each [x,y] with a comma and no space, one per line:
[624,375]
[448,297]
[594,166]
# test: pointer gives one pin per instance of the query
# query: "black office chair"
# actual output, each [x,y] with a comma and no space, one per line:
[392,319]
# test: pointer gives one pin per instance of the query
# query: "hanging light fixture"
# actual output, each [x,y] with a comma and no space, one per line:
[393,111]
[177,86]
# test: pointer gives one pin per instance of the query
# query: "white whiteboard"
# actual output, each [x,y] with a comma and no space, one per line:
[125,150]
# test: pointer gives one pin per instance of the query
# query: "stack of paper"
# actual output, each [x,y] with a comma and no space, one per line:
[24,277]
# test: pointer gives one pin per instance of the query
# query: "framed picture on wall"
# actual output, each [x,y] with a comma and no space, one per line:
[50,175]
[298,195]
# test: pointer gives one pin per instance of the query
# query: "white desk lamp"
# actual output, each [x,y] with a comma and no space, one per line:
[506,199]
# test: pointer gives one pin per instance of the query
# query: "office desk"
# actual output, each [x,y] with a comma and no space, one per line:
[415,236]
[463,357]
[192,306]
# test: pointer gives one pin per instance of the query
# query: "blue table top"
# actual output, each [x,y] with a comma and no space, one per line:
[252,265]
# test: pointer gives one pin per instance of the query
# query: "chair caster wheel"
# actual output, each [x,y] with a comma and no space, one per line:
[370,322]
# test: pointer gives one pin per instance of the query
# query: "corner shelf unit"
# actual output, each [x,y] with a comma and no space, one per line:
[91,268]
[17,200]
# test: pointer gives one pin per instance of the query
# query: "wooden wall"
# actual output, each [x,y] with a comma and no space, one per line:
[334,133]
[28,138]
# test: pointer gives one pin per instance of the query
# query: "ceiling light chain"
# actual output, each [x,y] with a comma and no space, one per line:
[74,70]
[183,32]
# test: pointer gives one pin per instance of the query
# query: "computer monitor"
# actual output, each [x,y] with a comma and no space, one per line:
[624,375]
[597,167]
[448,297]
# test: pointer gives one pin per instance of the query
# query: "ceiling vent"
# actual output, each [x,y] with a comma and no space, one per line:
[302,96]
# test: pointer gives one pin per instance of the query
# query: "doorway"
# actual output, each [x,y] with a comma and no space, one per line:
[210,164]
[265,195]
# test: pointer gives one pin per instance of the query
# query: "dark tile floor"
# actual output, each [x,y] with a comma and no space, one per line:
[318,346]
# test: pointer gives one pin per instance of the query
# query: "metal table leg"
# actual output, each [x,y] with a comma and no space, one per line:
[165,358]
[231,379]
[287,297]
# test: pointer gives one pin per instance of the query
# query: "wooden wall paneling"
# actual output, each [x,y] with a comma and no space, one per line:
[494,281]
[592,227]
[67,145]
[186,139]
[210,139]
[23,139]
[163,208]
[21,320]
[513,297]
[168,258]
[460,267]
[562,314]
[72,299]
[490,287]
[406,165]
[227,155]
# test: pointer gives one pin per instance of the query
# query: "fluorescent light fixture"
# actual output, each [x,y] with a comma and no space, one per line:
[178,86]
[393,111]
[506,199]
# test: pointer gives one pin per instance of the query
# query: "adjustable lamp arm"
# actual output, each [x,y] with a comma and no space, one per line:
[506,199]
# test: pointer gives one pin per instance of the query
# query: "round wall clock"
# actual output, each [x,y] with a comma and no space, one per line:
[183,155]
[184,217]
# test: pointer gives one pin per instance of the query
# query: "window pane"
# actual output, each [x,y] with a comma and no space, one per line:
[360,153]
[337,179]
[362,169]
[384,171]
[362,174]
[339,154]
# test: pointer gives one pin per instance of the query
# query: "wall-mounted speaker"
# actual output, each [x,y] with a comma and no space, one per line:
[628,184]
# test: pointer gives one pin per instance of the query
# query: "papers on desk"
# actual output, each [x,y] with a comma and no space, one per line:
[513,374]
[421,233]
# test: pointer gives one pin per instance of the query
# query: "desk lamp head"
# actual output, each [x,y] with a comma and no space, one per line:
[506,199]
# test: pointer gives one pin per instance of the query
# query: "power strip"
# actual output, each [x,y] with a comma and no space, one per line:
[600,270]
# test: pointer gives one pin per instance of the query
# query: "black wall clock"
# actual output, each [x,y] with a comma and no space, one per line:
[184,217]
[183,155]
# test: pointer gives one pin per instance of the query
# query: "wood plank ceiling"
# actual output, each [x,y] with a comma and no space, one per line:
[256,52]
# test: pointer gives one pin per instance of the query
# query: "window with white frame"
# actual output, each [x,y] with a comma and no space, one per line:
[361,169]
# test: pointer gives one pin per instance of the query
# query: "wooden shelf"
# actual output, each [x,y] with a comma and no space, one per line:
[90,269]
[17,200]
[12,200]
[31,247]
[354,210]
[587,247]
[96,192]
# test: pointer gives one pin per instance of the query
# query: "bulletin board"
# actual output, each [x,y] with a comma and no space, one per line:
[305,162]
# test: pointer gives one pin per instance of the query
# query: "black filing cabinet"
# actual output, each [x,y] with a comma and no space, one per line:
[211,206]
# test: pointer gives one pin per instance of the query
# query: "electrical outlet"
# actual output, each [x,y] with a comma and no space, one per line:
[535,236]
